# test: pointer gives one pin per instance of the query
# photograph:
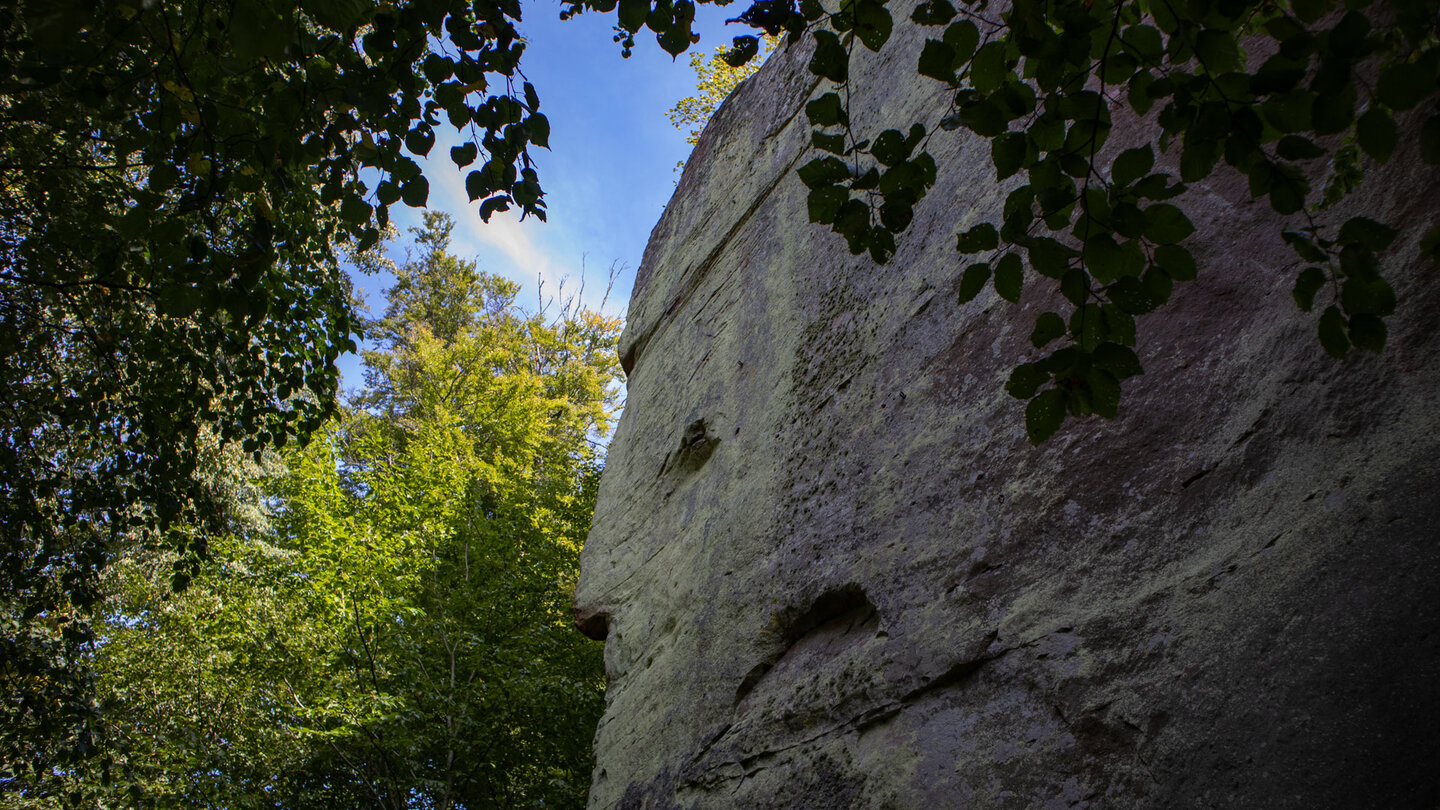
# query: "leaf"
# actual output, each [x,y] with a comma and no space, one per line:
[1166,224]
[979,238]
[973,281]
[937,60]
[1118,360]
[1405,84]
[1044,415]
[963,37]
[890,147]
[987,68]
[539,127]
[1048,327]
[1294,147]
[632,14]
[1218,51]
[415,192]
[1333,336]
[742,50]
[1367,296]
[1131,165]
[1009,275]
[826,111]
[1368,332]
[873,23]
[933,12]
[1025,380]
[1430,141]
[1176,261]
[464,155]
[983,118]
[1049,257]
[1363,230]
[1104,392]
[1309,282]
[420,140]
[1289,112]
[832,143]
[823,171]
[1378,135]
[830,60]
[1007,152]
[475,185]
[825,202]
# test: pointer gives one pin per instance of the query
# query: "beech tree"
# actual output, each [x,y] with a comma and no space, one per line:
[394,630]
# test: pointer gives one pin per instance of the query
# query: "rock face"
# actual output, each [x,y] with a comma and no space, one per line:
[834,574]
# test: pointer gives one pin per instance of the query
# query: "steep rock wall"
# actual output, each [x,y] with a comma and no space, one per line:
[834,574]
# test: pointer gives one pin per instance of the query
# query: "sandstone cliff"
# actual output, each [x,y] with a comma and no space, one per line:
[834,574]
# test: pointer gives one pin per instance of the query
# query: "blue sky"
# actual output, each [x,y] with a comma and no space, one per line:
[609,171]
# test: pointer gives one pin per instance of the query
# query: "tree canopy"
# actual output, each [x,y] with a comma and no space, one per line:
[389,625]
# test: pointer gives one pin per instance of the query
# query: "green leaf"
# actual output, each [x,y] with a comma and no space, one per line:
[463,155]
[1405,84]
[832,143]
[1333,337]
[933,12]
[873,23]
[979,238]
[415,192]
[633,13]
[823,171]
[1309,282]
[1049,257]
[973,281]
[1007,152]
[1118,360]
[1104,392]
[1025,380]
[1378,135]
[1009,275]
[1131,165]
[420,140]
[890,147]
[1044,415]
[1048,327]
[1367,296]
[1332,112]
[1166,224]
[1375,235]
[355,210]
[937,60]
[1218,50]
[475,185]
[825,202]
[826,111]
[1289,112]
[1368,332]
[1145,42]
[1294,147]
[987,68]
[1430,141]
[983,118]
[963,37]
[830,60]
[1176,261]
[539,127]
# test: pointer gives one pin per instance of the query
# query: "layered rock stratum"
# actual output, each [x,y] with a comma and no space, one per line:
[833,573]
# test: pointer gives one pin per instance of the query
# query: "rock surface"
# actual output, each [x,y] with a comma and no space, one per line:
[834,574]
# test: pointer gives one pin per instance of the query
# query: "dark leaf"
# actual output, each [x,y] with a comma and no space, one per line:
[1043,415]
[1025,380]
[973,281]
[1333,337]
[1309,282]
[1048,327]
[1009,276]
[1377,133]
